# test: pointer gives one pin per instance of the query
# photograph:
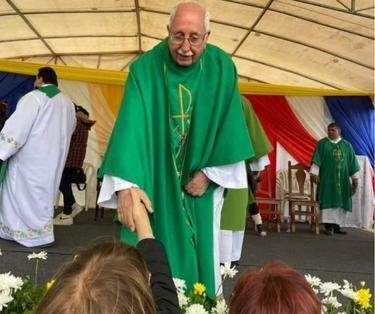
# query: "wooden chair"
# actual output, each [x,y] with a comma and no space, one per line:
[273,204]
[301,196]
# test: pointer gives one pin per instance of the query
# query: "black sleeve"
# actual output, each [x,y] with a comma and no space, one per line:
[162,285]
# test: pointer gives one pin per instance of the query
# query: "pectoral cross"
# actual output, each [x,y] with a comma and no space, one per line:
[337,154]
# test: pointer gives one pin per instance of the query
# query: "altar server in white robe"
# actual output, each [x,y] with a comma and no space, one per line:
[34,144]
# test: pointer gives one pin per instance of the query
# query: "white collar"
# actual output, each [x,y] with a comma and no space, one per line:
[334,141]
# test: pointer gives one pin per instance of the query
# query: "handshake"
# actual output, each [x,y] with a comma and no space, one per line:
[133,208]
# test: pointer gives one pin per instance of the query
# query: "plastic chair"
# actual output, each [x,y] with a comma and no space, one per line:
[301,196]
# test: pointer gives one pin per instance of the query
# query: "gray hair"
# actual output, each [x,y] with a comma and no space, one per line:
[205,12]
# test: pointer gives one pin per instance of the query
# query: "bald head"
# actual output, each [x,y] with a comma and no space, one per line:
[186,5]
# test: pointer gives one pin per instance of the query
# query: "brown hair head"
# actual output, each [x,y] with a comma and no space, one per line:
[110,277]
[274,288]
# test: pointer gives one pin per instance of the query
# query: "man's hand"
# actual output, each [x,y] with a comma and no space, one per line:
[314,178]
[140,214]
[354,186]
[198,184]
[125,208]
[125,204]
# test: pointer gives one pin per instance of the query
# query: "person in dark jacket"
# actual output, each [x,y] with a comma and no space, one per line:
[112,277]
[3,112]
[73,171]
[3,117]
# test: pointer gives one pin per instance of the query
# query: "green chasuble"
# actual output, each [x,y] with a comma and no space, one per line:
[233,214]
[261,144]
[174,121]
[337,163]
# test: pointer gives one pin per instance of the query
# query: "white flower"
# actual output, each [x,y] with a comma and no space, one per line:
[5,298]
[327,287]
[346,284]
[196,309]
[348,292]
[226,271]
[182,299]
[8,281]
[40,255]
[1,253]
[180,284]
[220,308]
[332,301]
[312,280]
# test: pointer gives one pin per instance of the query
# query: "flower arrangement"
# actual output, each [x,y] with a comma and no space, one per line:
[196,301]
[22,295]
[357,301]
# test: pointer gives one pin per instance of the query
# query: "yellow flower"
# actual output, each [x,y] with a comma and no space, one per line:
[50,283]
[363,298]
[199,288]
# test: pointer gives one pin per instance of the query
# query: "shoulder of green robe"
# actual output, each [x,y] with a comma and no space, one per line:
[347,143]
[152,56]
[219,54]
[322,141]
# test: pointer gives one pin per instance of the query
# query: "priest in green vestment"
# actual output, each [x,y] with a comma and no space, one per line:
[335,168]
[233,215]
[180,136]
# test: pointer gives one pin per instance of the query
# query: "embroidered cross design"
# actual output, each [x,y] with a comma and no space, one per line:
[337,154]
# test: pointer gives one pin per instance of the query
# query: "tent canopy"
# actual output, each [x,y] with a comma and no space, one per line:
[313,43]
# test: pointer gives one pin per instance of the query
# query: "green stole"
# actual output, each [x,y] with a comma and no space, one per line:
[3,171]
[174,121]
[337,163]
[50,91]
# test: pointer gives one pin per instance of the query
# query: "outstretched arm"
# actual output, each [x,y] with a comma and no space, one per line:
[162,285]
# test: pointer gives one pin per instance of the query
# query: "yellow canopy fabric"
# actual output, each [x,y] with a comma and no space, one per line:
[111,77]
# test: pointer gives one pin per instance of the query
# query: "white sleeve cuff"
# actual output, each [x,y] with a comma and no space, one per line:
[231,176]
[355,176]
[110,185]
[260,163]
[314,169]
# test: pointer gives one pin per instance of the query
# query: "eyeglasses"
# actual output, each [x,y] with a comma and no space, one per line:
[194,40]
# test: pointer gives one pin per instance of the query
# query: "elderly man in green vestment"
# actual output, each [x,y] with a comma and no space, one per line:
[233,215]
[180,136]
[335,169]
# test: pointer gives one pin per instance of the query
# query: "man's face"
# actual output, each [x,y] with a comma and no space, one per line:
[333,133]
[38,81]
[187,28]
